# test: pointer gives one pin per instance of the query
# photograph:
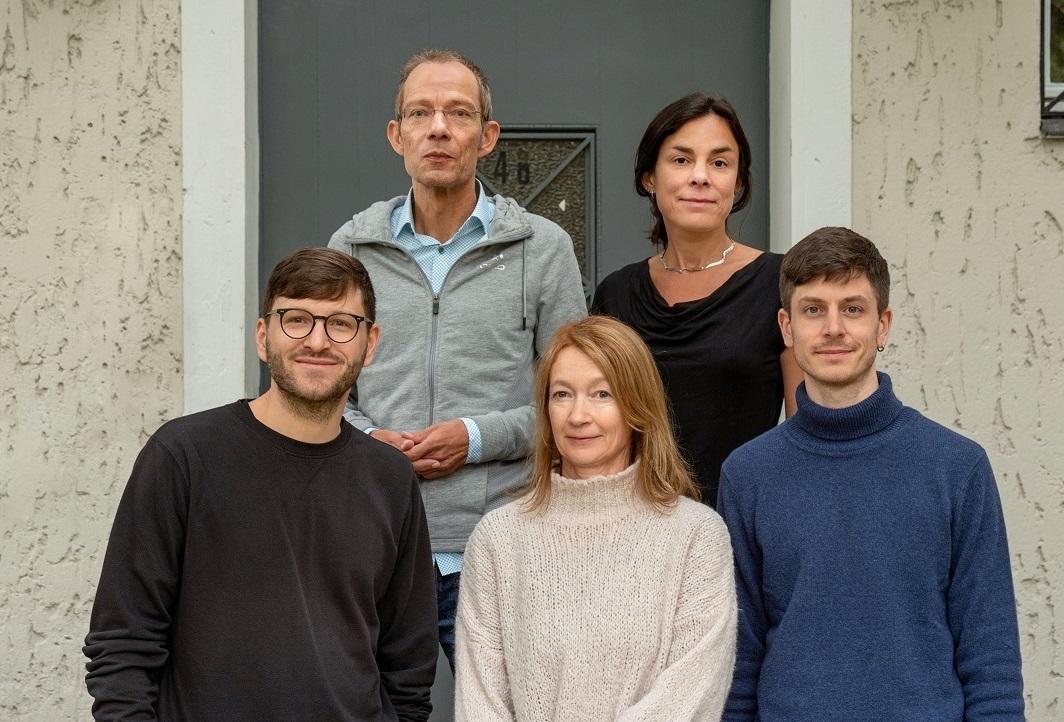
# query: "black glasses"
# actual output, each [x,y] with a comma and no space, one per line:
[339,327]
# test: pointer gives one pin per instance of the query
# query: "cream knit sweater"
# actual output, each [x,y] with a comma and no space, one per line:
[598,608]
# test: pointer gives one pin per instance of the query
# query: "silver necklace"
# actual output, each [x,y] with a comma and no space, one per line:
[711,264]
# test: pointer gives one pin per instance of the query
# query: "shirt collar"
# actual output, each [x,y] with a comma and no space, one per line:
[483,214]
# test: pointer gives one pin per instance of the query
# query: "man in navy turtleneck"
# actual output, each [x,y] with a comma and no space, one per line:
[871,560]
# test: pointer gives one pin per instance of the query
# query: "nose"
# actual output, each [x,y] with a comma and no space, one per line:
[699,174]
[317,339]
[438,125]
[833,323]
[578,413]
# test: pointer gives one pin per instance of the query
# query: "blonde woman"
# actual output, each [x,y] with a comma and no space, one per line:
[606,591]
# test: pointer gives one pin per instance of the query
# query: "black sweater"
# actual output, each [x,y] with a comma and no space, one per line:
[250,576]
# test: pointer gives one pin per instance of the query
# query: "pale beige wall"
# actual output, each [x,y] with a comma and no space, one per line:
[90,311]
[966,200]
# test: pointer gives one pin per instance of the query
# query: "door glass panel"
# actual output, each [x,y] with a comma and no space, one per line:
[551,173]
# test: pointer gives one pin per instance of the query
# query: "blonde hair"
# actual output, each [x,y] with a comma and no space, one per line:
[633,377]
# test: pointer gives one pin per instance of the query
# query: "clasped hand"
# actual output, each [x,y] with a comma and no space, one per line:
[435,451]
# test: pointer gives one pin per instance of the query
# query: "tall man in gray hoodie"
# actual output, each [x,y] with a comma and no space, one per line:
[471,289]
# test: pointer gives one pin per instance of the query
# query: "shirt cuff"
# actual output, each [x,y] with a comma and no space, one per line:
[448,562]
[369,430]
[476,448]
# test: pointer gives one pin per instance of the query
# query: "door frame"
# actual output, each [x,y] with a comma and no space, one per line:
[810,147]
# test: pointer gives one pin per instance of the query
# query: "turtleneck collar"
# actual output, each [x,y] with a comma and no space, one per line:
[597,498]
[866,417]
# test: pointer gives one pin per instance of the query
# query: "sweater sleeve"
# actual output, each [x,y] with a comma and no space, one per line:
[982,607]
[507,434]
[698,673]
[482,686]
[127,643]
[406,649]
[753,624]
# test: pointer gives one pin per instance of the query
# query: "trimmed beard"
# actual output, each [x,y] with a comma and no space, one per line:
[316,407]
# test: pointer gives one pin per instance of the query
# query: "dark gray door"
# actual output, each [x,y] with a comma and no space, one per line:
[328,70]
[592,70]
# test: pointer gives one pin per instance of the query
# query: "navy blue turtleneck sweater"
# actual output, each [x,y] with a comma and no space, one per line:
[872,569]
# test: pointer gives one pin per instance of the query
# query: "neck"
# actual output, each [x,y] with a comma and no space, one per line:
[689,250]
[839,397]
[440,212]
[312,422]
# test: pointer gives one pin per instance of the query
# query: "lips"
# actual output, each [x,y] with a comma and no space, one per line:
[316,361]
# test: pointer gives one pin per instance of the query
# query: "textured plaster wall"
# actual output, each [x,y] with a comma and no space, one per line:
[954,182]
[90,311]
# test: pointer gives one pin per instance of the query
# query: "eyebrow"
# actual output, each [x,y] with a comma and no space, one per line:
[849,299]
[449,98]
[715,151]
[570,384]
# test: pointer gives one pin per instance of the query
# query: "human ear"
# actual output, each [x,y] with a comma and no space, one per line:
[395,136]
[784,320]
[260,338]
[489,136]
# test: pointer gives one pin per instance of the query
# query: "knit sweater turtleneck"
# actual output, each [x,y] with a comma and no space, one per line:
[850,423]
[597,606]
[602,499]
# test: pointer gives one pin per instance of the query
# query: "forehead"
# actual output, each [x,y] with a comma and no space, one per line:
[350,302]
[573,365]
[431,81]
[822,288]
[708,131]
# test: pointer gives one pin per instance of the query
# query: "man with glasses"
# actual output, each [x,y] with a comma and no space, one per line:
[472,288]
[268,561]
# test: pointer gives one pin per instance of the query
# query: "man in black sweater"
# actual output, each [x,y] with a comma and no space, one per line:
[267,561]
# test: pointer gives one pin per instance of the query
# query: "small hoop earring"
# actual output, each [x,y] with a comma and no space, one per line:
[880,348]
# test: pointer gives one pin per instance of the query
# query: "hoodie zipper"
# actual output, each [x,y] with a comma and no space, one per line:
[510,237]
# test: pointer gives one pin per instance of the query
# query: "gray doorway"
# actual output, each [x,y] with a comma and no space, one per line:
[328,69]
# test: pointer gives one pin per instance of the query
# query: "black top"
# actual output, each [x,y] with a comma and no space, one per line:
[719,357]
[250,576]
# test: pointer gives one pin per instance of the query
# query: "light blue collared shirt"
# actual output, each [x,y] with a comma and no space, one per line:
[436,258]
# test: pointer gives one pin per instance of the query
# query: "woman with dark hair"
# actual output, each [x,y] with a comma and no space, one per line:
[606,592]
[706,304]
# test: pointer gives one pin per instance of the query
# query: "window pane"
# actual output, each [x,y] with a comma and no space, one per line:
[1056,41]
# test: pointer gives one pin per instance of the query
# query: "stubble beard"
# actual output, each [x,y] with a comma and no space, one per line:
[315,406]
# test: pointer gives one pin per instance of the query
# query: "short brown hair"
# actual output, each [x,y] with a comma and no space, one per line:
[444,56]
[838,255]
[320,274]
[629,369]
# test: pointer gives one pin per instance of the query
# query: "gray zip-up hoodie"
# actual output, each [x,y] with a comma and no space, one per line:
[467,351]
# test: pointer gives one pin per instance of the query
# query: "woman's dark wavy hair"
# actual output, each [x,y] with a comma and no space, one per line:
[671,118]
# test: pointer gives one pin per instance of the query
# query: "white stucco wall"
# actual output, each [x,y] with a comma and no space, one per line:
[951,178]
[954,183]
[90,311]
